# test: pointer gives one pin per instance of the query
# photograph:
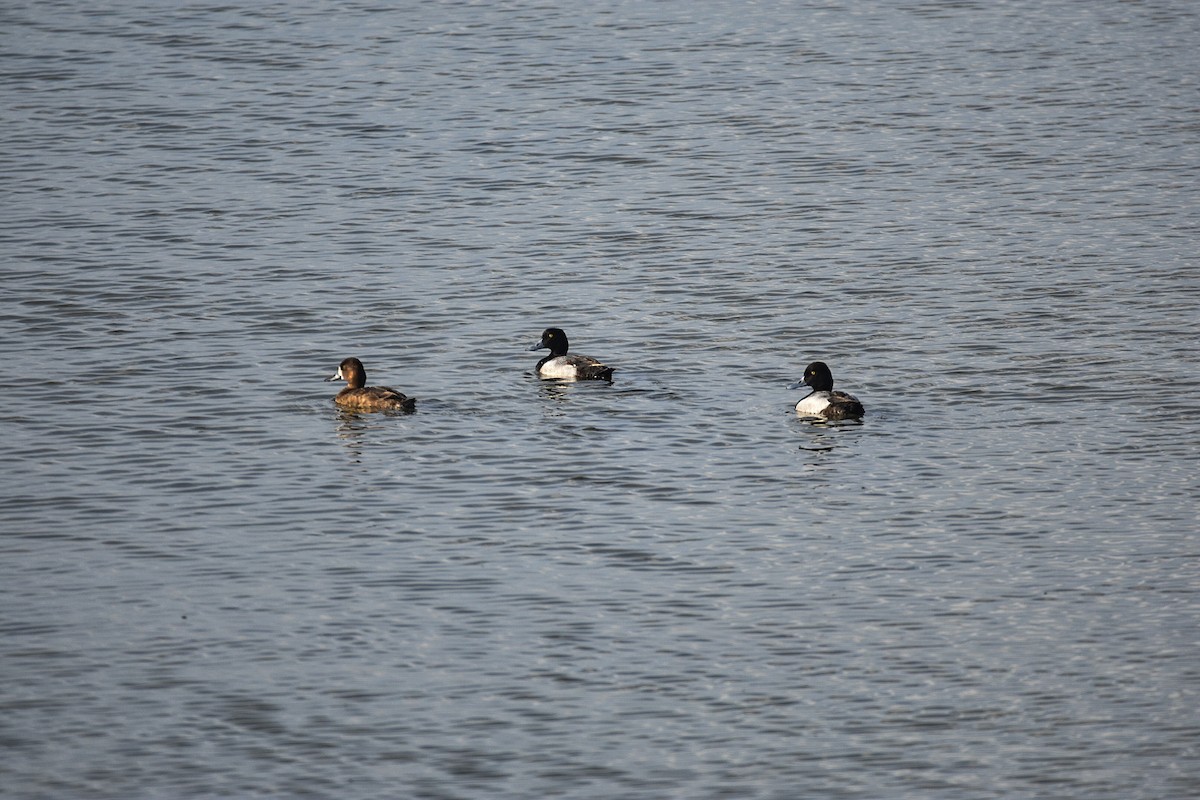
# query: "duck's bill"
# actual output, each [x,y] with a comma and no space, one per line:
[797,384]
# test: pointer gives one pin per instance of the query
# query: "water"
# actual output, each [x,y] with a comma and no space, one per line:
[983,216]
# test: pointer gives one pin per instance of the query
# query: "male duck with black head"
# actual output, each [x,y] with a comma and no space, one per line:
[823,401]
[561,365]
[357,396]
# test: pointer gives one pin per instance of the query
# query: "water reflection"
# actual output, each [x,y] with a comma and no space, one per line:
[826,434]
[556,390]
[355,428]
[560,390]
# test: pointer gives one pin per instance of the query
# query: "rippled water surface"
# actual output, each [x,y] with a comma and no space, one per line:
[983,216]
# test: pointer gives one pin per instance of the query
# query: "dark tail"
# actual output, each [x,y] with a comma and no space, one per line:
[600,373]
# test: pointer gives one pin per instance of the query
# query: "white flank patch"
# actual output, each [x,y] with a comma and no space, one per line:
[558,367]
[814,404]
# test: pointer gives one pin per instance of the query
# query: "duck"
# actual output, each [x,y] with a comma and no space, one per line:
[560,365]
[823,401]
[360,397]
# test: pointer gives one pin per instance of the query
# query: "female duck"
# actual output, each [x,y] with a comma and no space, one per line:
[560,365]
[360,397]
[823,401]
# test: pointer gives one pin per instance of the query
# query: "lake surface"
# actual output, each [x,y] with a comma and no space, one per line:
[983,216]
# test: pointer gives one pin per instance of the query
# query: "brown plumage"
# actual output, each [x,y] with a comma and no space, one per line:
[360,397]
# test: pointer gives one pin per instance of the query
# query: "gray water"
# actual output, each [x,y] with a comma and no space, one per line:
[983,216]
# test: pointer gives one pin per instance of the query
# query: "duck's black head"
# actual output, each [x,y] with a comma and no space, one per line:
[554,339]
[818,377]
